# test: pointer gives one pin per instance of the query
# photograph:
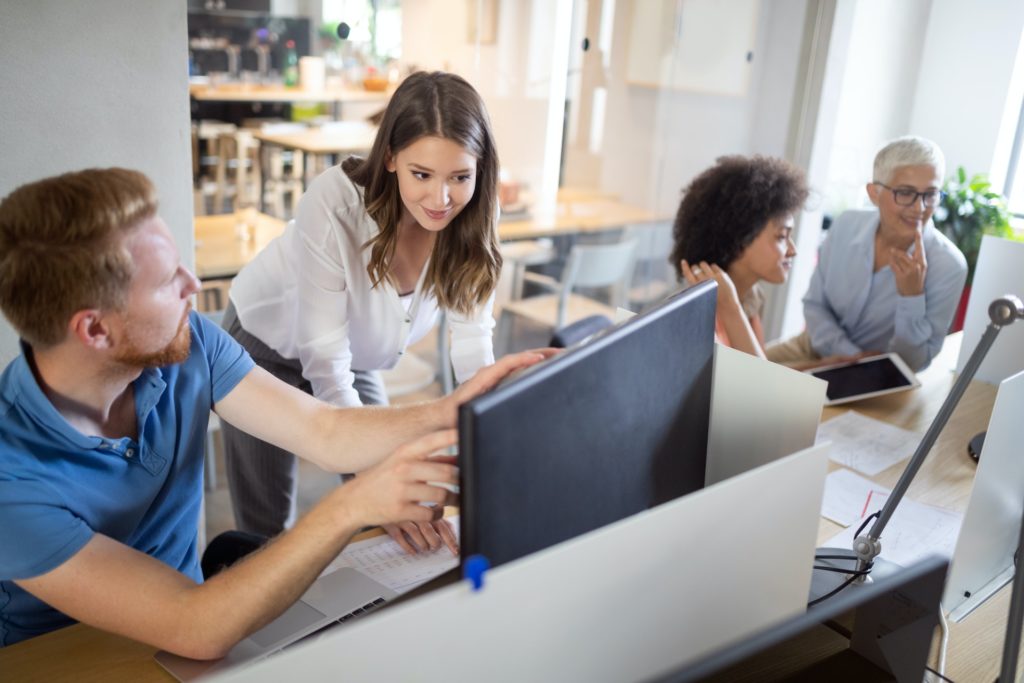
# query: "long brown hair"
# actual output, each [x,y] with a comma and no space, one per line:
[465,263]
[62,247]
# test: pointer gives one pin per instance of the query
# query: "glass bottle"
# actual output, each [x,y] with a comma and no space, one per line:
[291,65]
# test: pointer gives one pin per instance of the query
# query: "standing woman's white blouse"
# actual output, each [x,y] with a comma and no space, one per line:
[308,296]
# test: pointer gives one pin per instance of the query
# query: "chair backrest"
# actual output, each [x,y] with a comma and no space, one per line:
[653,276]
[597,265]
[579,331]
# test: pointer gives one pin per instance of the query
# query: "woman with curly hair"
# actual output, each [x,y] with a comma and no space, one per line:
[734,226]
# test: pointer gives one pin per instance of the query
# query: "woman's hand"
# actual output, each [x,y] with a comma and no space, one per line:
[728,299]
[909,270]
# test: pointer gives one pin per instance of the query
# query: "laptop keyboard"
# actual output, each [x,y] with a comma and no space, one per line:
[358,612]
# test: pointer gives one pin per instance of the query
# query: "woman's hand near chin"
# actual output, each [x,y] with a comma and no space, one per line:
[728,299]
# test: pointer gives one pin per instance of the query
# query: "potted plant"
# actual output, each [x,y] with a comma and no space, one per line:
[969,209]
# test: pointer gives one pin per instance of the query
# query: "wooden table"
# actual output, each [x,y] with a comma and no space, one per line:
[576,214]
[323,142]
[222,250]
[251,92]
[320,147]
[226,242]
[82,653]
[945,479]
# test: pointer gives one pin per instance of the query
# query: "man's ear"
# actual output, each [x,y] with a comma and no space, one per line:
[874,191]
[91,328]
[389,160]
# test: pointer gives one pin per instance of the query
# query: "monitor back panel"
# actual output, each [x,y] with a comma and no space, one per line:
[599,433]
[892,619]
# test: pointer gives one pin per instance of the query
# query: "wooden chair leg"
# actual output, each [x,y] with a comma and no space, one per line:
[444,355]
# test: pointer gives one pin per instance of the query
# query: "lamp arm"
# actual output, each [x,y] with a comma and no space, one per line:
[1002,312]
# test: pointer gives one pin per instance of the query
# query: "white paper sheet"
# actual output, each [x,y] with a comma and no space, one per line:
[865,444]
[382,559]
[847,496]
[914,531]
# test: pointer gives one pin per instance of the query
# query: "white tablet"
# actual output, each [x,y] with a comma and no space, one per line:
[872,376]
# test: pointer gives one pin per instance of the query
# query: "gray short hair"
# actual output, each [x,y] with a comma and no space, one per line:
[909,150]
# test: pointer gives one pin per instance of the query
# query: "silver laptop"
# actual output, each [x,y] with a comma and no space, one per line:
[332,600]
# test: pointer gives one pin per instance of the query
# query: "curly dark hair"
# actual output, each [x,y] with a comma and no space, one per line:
[727,206]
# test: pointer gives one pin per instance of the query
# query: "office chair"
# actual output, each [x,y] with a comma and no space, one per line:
[588,265]
[579,331]
[653,276]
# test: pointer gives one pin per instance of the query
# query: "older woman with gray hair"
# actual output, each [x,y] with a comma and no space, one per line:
[886,279]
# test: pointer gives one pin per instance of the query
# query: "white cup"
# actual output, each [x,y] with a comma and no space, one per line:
[312,73]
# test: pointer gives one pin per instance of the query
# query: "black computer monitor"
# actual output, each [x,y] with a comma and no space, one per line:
[880,631]
[603,431]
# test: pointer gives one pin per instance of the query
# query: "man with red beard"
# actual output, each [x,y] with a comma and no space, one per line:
[102,423]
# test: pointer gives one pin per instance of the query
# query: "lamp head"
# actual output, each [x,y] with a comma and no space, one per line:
[1005,310]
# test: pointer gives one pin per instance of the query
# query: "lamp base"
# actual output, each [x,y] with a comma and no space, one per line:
[824,582]
[974,446]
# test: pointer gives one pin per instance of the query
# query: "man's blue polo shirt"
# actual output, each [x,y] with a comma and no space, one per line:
[59,487]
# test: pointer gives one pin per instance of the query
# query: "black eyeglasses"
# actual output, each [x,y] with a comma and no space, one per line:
[906,197]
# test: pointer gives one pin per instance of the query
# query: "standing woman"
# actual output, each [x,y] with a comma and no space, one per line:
[378,245]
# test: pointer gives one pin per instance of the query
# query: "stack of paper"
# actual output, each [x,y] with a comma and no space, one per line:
[382,559]
[865,444]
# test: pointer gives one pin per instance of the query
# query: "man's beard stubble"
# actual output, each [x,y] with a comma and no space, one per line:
[177,351]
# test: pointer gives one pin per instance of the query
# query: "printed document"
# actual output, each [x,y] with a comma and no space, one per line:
[383,560]
[847,496]
[914,531]
[865,444]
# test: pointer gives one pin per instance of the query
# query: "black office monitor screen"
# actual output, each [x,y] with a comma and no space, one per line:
[596,434]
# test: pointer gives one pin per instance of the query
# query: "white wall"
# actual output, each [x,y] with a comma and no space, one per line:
[521,75]
[966,70]
[879,80]
[656,141]
[101,83]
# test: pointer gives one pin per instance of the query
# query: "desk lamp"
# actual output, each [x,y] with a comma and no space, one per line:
[832,578]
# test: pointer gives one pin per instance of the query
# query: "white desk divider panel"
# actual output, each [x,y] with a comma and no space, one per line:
[760,411]
[983,560]
[625,602]
[1000,271]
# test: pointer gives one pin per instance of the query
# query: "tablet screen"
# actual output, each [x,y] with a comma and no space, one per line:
[867,377]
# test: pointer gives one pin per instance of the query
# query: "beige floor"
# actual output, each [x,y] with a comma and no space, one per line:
[314,482]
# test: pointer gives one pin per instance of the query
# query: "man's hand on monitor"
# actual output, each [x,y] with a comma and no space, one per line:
[487,378]
[407,486]
[416,537]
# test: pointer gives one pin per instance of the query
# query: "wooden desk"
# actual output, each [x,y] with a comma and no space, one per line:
[223,245]
[577,214]
[251,92]
[222,251]
[83,653]
[945,479]
[322,146]
[316,141]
